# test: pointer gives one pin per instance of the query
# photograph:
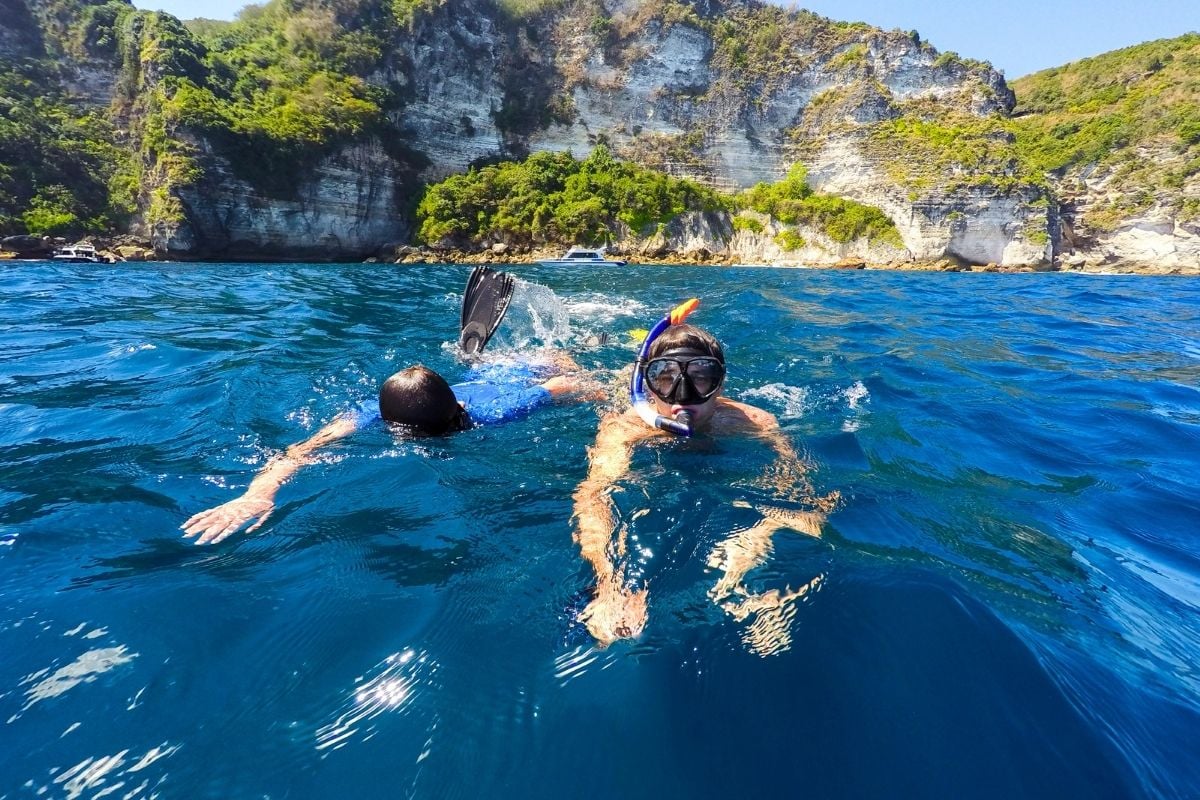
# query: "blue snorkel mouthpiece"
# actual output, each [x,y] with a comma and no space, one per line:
[681,423]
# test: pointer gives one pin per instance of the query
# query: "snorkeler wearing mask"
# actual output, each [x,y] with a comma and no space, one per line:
[682,371]
[675,391]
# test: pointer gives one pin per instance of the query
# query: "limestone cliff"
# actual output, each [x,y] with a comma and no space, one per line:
[686,88]
[726,92]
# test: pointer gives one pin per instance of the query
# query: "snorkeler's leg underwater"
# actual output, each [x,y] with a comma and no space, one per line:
[773,611]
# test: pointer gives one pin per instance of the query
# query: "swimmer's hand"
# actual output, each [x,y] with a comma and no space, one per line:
[616,612]
[259,499]
[224,520]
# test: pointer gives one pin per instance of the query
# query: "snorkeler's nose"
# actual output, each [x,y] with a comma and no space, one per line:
[684,395]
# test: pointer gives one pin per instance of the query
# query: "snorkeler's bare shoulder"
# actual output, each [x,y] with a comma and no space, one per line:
[734,417]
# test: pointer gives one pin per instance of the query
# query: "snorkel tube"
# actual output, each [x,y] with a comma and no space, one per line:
[681,423]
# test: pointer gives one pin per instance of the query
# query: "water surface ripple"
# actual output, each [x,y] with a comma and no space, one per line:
[1005,602]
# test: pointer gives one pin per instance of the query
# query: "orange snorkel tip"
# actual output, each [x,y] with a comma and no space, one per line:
[680,312]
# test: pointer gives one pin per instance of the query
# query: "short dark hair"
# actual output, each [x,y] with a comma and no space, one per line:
[421,399]
[679,337]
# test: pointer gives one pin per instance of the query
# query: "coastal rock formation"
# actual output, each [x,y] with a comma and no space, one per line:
[660,84]
[728,93]
[1156,241]
[765,247]
[1158,237]
[343,209]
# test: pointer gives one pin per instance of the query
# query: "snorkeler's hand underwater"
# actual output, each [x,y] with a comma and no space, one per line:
[616,612]
[224,520]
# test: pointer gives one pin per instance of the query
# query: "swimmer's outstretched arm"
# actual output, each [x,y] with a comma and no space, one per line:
[258,501]
[616,611]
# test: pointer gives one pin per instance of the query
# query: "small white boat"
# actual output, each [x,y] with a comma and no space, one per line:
[582,255]
[82,253]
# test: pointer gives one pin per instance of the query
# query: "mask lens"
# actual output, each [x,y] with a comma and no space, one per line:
[661,375]
[705,375]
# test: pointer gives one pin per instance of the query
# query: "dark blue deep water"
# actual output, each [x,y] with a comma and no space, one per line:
[1009,590]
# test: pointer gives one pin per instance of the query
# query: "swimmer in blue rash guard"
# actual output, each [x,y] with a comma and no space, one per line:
[422,402]
[419,400]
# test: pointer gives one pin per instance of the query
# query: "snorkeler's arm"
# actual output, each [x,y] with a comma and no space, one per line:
[258,501]
[572,388]
[788,474]
[571,383]
[616,611]
[608,460]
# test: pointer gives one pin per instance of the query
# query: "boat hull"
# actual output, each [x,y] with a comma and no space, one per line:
[572,262]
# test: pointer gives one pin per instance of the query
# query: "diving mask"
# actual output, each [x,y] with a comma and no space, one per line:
[684,377]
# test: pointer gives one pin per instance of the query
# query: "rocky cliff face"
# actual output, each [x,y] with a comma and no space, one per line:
[1153,236]
[452,73]
[20,34]
[669,85]
[344,209]
[727,93]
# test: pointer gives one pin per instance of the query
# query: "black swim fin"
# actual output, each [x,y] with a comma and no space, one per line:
[484,303]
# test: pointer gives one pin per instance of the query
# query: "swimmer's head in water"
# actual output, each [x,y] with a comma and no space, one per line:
[420,399]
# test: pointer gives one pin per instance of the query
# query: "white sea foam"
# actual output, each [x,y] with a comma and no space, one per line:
[794,401]
[598,309]
[130,349]
[855,394]
[536,316]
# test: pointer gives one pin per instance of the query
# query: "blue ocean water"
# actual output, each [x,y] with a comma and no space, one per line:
[1005,600]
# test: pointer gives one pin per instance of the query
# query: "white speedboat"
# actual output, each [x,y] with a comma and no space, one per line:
[582,255]
[81,253]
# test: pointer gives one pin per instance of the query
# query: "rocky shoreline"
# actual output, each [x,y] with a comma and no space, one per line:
[130,249]
[425,255]
[39,248]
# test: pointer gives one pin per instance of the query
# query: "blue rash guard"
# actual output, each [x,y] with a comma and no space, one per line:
[495,392]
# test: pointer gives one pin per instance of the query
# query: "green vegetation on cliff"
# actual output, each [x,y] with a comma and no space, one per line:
[551,197]
[281,87]
[926,152]
[1132,116]
[793,202]
[61,172]
[274,92]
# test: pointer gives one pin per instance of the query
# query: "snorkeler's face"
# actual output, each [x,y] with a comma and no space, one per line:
[684,376]
[685,379]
